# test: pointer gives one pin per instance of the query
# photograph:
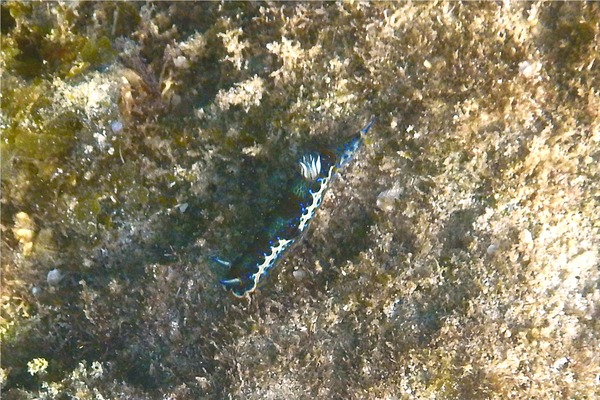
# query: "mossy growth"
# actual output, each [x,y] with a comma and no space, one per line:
[456,257]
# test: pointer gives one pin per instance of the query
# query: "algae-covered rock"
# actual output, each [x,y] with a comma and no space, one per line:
[455,257]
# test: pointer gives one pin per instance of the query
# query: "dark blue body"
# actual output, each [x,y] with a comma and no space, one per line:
[291,217]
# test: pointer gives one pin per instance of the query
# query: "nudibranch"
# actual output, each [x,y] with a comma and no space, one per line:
[292,216]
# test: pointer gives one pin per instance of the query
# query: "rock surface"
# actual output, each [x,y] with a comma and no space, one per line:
[457,257]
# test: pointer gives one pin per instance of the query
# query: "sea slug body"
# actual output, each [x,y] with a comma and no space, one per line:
[292,217]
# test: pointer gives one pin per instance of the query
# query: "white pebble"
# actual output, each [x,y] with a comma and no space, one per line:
[386,200]
[181,62]
[529,69]
[492,249]
[54,277]
[299,275]
[561,363]
[116,126]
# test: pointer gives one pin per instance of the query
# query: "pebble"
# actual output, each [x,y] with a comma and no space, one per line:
[492,249]
[299,275]
[54,277]
[386,200]
[116,126]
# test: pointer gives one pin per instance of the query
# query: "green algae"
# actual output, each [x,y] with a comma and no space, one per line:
[54,139]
